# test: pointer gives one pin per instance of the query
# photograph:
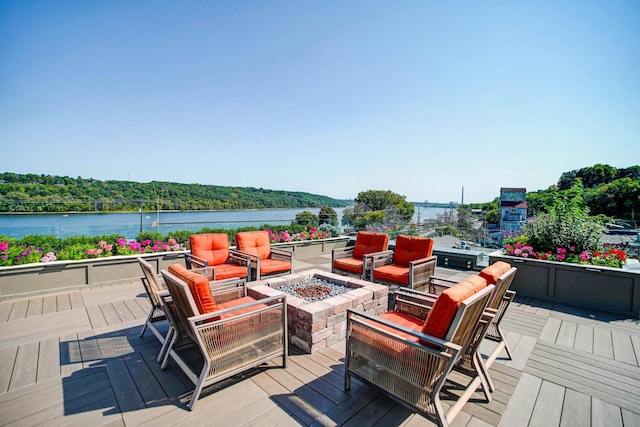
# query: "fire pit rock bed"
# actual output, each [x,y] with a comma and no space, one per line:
[314,325]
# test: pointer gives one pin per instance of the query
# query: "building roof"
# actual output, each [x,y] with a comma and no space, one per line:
[513,189]
[513,204]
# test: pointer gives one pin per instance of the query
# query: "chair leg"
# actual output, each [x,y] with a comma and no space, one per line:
[167,351]
[199,385]
[144,327]
[506,344]
[484,377]
[165,344]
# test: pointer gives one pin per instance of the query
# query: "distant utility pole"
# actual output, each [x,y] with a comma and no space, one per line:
[462,201]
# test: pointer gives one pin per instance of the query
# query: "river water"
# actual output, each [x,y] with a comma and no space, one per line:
[130,224]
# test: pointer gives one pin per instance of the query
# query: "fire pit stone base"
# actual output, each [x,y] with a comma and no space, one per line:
[313,326]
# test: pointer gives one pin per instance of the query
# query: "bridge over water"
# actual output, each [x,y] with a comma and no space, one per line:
[449,205]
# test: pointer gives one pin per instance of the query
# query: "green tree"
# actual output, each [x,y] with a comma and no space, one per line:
[328,215]
[378,208]
[306,218]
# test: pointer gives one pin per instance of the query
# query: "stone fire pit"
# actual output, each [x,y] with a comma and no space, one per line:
[316,325]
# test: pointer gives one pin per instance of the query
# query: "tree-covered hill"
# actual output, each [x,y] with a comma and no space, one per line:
[46,193]
[607,191]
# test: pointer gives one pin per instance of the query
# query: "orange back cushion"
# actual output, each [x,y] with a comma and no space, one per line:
[493,272]
[254,243]
[441,315]
[368,242]
[198,285]
[477,282]
[213,247]
[409,249]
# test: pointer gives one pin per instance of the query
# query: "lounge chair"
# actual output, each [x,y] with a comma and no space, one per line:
[353,260]
[408,353]
[410,264]
[501,275]
[232,331]
[265,260]
[211,251]
[154,285]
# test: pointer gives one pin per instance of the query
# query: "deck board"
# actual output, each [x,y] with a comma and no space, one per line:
[8,357]
[548,407]
[26,365]
[19,310]
[5,310]
[48,359]
[35,307]
[576,409]
[76,358]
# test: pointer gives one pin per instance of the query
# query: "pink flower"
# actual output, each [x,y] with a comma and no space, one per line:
[584,256]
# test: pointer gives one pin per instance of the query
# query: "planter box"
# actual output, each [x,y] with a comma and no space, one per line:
[313,247]
[603,288]
[25,280]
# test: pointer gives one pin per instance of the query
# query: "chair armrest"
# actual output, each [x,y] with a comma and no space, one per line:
[227,290]
[421,270]
[205,319]
[281,254]
[437,285]
[416,304]
[422,261]
[239,258]
[346,252]
[435,345]
[377,259]
[193,261]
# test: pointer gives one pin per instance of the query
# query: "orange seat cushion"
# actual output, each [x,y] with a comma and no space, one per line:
[212,247]
[444,309]
[368,242]
[409,248]
[402,319]
[392,273]
[348,264]
[237,302]
[230,271]
[198,285]
[269,266]
[254,242]
[493,272]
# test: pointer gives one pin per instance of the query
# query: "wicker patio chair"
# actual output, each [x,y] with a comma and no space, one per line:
[233,332]
[211,251]
[265,260]
[501,274]
[354,260]
[410,264]
[409,358]
[154,285]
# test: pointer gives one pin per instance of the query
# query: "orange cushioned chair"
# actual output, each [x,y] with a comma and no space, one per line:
[408,352]
[232,331]
[353,260]
[265,260]
[410,264]
[211,251]
[501,275]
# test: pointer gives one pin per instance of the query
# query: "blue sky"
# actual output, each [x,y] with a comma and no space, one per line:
[332,97]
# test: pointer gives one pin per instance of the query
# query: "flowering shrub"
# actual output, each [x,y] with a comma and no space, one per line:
[611,257]
[283,236]
[13,252]
[566,234]
[518,249]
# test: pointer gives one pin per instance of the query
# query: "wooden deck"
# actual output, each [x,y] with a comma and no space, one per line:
[76,358]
